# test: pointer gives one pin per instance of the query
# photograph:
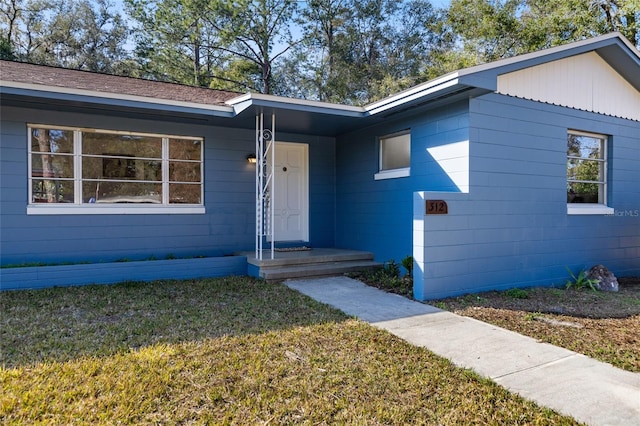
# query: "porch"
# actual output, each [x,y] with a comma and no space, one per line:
[306,263]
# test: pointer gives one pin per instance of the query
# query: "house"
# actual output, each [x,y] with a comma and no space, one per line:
[498,176]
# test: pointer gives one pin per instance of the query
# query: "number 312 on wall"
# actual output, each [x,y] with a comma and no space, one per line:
[436,207]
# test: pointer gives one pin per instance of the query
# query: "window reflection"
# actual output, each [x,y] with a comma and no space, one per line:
[114,167]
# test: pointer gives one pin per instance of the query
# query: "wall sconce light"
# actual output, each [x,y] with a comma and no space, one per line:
[251,158]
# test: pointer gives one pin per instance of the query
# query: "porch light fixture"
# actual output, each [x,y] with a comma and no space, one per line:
[251,158]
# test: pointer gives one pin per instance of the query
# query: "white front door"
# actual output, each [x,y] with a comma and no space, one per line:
[291,192]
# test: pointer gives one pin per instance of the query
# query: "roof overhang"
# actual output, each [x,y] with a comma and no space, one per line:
[313,117]
[327,119]
[614,48]
[15,92]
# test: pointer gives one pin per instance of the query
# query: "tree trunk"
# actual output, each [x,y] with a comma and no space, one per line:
[48,186]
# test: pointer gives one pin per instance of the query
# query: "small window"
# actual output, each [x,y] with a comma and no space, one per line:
[91,167]
[395,155]
[586,171]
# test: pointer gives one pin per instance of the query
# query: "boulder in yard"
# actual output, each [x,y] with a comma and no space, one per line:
[606,280]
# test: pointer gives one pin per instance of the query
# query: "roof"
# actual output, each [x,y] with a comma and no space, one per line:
[614,48]
[27,84]
[48,76]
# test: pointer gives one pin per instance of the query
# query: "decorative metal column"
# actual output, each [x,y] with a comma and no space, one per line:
[265,161]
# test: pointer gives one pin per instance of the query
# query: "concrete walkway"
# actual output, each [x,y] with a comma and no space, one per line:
[590,391]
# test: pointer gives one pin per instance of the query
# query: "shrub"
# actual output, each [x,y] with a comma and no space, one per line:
[407,263]
[392,269]
[580,281]
[517,293]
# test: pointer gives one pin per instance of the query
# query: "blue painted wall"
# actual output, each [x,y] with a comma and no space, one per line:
[376,215]
[110,273]
[512,229]
[227,226]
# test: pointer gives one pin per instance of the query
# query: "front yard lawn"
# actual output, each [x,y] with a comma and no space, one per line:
[225,351]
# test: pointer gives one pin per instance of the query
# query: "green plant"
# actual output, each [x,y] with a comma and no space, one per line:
[387,278]
[532,316]
[441,305]
[407,263]
[581,281]
[392,269]
[171,256]
[517,293]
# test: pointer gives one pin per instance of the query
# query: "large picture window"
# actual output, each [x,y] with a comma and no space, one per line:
[89,167]
[586,168]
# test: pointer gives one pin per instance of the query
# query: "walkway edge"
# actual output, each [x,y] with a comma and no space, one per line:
[591,391]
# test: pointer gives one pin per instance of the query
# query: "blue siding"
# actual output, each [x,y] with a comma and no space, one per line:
[376,215]
[110,273]
[512,229]
[229,183]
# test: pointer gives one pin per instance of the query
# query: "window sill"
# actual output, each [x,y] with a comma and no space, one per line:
[392,174]
[593,209]
[111,209]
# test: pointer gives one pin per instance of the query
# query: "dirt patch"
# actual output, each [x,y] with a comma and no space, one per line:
[605,326]
[583,303]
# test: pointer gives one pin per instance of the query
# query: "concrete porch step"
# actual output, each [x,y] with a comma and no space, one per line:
[314,256]
[317,262]
[316,269]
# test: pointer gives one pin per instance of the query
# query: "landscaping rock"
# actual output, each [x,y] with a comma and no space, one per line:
[606,280]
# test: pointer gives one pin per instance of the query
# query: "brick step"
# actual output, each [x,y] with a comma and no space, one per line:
[326,269]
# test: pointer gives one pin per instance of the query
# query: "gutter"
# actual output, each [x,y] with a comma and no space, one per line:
[114,99]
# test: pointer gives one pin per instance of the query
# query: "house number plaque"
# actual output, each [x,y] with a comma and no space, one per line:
[436,207]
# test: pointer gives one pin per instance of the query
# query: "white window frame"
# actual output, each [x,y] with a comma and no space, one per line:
[397,172]
[78,207]
[593,208]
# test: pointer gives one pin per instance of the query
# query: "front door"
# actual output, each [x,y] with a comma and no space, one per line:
[291,192]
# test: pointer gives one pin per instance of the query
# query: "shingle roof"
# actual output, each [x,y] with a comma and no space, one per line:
[21,72]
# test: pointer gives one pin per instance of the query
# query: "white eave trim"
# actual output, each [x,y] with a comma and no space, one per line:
[414,93]
[114,96]
[291,103]
[548,52]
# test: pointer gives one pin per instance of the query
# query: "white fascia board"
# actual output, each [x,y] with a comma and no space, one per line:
[419,91]
[225,110]
[242,102]
[552,53]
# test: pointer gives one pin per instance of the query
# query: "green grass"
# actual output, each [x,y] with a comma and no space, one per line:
[225,351]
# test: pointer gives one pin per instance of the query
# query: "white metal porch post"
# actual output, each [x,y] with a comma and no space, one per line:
[265,166]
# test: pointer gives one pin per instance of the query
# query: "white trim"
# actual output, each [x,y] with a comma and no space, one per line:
[549,51]
[604,141]
[392,174]
[305,186]
[114,132]
[585,209]
[399,172]
[59,209]
[587,134]
[80,207]
[417,92]
[114,96]
[291,101]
